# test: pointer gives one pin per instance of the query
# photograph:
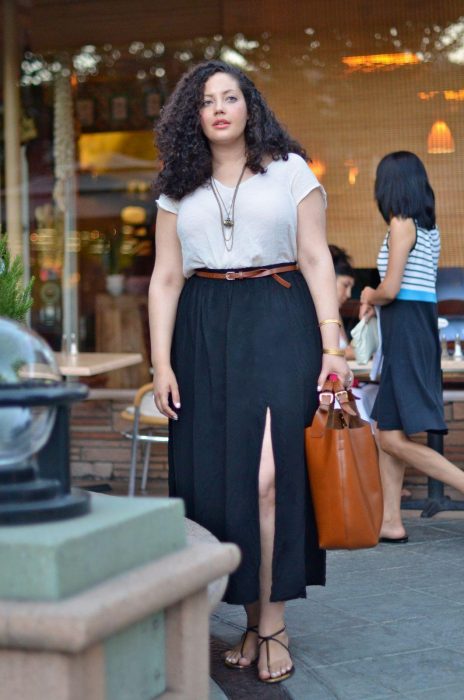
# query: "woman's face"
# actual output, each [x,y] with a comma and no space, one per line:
[345,284]
[223,113]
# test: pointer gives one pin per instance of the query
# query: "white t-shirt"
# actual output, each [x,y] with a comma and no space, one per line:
[265,218]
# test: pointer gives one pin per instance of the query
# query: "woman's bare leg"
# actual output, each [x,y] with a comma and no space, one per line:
[271,614]
[398,449]
[422,457]
[392,475]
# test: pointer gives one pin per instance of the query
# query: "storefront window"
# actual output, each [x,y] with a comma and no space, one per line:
[351,80]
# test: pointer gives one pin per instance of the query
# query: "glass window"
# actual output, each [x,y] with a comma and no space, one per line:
[351,80]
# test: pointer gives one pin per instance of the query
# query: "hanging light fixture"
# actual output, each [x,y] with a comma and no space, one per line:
[353,173]
[440,138]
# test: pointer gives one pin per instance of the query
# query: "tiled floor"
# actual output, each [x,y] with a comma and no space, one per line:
[389,624]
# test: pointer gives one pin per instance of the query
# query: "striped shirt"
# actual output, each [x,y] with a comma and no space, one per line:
[420,272]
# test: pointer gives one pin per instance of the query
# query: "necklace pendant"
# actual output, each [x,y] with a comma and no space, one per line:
[228,222]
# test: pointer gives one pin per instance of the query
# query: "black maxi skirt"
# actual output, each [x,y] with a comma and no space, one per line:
[239,348]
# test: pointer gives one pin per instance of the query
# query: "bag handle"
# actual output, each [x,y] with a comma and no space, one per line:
[331,390]
[334,389]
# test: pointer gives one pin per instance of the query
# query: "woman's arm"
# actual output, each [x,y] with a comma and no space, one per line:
[401,240]
[165,287]
[316,265]
[350,353]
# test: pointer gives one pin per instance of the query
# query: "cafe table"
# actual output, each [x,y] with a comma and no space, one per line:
[452,370]
[436,501]
[88,364]
[53,459]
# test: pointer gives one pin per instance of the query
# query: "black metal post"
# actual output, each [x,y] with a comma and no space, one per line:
[24,497]
[53,458]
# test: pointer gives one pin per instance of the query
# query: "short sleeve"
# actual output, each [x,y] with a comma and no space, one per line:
[168,204]
[303,180]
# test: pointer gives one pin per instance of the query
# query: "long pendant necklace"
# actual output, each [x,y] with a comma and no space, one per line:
[227,214]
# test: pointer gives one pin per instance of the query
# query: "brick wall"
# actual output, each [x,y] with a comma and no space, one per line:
[454,447]
[99,452]
[454,441]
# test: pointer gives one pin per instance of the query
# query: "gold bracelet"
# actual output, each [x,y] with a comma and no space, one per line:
[330,320]
[333,351]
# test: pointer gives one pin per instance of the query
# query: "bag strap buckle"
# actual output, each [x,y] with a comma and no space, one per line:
[326,399]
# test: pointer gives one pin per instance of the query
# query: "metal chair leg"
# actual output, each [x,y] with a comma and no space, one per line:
[146,465]
[133,466]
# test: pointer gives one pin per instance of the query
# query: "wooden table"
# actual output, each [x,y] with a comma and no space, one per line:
[452,369]
[88,364]
[436,501]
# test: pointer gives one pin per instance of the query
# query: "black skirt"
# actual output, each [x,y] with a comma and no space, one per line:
[239,348]
[410,394]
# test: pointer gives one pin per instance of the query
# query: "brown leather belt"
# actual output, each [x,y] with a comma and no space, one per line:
[251,274]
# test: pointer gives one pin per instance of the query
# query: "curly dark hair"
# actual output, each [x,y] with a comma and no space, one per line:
[185,150]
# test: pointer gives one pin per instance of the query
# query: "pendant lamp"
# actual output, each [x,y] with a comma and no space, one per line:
[353,174]
[440,138]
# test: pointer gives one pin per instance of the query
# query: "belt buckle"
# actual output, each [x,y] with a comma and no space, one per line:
[230,276]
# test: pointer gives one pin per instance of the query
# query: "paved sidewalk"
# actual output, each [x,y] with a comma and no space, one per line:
[389,624]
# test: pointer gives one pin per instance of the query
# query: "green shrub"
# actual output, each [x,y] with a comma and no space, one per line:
[15,299]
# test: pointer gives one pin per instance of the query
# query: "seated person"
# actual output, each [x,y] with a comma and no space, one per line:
[345,282]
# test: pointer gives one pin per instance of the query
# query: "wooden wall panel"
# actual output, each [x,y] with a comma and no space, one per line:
[60,25]
[345,118]
[362,16]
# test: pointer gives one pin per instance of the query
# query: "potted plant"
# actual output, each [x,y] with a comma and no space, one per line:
[15,298]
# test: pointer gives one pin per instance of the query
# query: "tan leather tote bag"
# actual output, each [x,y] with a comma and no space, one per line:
[343,472]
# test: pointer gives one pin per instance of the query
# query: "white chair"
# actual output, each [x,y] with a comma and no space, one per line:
[148,425]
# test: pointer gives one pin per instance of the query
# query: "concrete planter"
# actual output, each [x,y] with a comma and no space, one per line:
[138,632]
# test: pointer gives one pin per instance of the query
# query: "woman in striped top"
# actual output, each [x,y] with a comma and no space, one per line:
[410,393]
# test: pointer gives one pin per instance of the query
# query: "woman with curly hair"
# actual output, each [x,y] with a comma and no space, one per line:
[236,343]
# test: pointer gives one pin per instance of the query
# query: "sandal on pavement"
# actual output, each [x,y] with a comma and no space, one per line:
[236,665]
[266,640]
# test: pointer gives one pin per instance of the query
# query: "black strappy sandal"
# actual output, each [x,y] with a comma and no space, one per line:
[237,666]
[266,640]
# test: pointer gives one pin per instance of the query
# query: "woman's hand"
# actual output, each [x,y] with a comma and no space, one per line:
[332,364]
[366,311]
[366,295]
[165,385]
